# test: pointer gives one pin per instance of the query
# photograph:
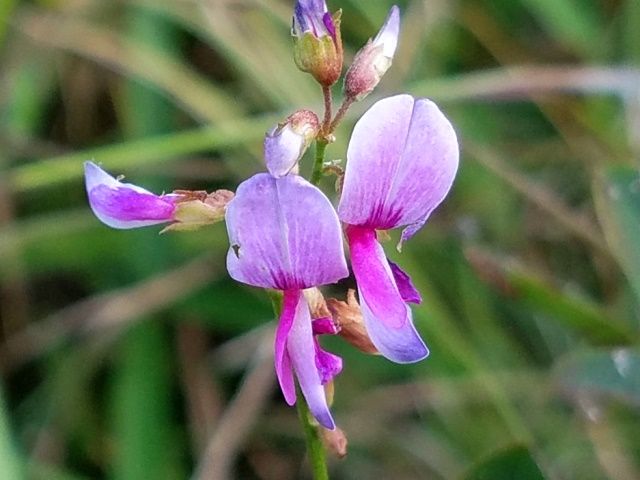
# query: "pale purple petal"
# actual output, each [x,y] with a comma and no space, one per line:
[402,159]
[302,352]
[309,16]
[282,361]
[388,35]
[386,316]
[123,205]
[328,364]
[400,345]
[284,234]
[408,292]
[283,147]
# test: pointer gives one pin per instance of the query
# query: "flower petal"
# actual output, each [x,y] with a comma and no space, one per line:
[302,352]
[328,364]
[386,316]
[282,361]
[403,157]
[325,326]
[408,292]
[283,147]
[374,276]
[400,345]
[308,16]
[388,34]
[123,205]
[284,234]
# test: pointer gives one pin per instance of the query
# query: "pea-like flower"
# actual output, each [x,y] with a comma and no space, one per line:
[317,41]
[124,205]
[284,234]
[374,59]
[402,159]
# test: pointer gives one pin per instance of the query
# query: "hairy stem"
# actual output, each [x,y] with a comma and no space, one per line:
[328,109]
[342,111]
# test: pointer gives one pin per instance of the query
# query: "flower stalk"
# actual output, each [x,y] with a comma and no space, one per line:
[315,448]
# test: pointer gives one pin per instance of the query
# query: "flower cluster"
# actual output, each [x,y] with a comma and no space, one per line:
[284,232]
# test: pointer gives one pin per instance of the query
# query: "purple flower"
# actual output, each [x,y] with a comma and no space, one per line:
[285,235]
[285,143]
[374,59]
[317,41]
[402,159]
[124,205]
[313,16]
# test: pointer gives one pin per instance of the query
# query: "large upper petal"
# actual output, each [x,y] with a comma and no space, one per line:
[402,159]
[386,316]
[124,205]
[284,234]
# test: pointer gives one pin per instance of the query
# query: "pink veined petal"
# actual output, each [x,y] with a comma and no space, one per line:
[328,364]
[386,316]
[408,292]
[282,361]
[374,277]
[389,33]
[123,205]
[284,234]
[302,352]
[402,159]
[400,345]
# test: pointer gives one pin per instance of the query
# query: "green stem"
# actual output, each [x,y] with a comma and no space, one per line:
[318,165]
[315,449]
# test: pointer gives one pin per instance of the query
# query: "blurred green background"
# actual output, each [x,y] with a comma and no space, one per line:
[130,355]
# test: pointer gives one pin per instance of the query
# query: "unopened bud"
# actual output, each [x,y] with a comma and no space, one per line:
[335,441]
[348,317]
[195,210]
[374,59]
[317,41]
[285,143]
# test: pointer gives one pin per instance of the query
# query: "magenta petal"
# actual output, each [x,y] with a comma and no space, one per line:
[284,234]
[374,277]
[123,205]
[402,159]
[325,326]
[301,348]
[328,364]
[281,359]
[386,316]
[408,292]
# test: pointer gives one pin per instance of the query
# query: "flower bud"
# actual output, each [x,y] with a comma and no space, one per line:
[285,143]
[374,59]
[335,441]
[317,41]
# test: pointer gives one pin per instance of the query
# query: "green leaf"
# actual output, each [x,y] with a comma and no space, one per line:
[514,462]
[10,464]
[608,373]
[617,197]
